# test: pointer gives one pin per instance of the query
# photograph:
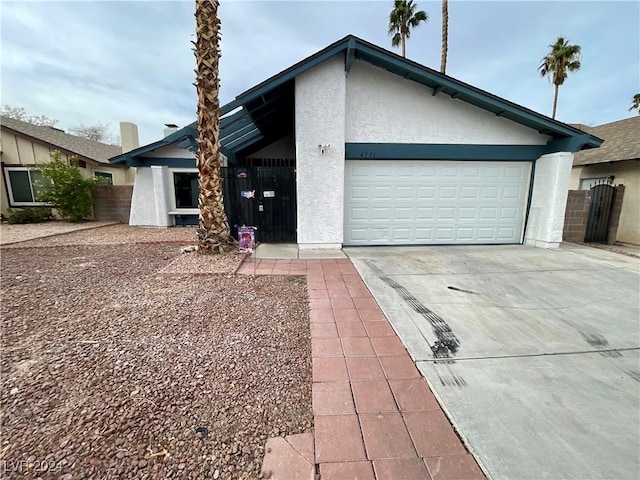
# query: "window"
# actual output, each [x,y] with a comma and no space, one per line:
[185,186]
[105,175]
[587,183]
[22,186]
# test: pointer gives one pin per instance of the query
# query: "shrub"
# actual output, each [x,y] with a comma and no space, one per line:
[65,189]
[30,215]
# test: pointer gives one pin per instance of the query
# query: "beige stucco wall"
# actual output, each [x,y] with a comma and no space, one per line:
[626,173]
[19,151]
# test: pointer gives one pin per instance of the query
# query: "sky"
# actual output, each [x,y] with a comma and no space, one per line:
[89,62]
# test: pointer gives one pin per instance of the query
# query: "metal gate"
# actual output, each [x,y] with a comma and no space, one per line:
[602,198]
[264,197]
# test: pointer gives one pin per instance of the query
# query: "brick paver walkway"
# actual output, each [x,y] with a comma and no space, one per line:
[374,415]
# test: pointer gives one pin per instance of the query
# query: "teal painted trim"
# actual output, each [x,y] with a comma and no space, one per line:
[483,99]
[571,144]
[427,151]
[175,137]
[357,48]
[247,141]
[287,75]
[229,139]
[224,122]
[351,55]
[165,162]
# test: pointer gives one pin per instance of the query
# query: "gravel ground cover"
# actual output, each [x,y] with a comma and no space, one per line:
[110,370]
[19,233]
[111,234]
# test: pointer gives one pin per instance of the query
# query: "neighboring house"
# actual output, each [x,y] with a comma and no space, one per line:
[616,161]
[356,145]
[23,146]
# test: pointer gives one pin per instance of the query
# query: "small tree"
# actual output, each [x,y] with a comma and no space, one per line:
[65,189]
[19,113]
[97,133]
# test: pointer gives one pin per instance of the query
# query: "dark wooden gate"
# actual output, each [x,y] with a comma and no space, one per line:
[602,198]
[264,197]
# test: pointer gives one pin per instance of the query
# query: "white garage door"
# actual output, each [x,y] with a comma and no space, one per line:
[404,202]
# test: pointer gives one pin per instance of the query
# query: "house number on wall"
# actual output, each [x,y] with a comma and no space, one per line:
[367,155]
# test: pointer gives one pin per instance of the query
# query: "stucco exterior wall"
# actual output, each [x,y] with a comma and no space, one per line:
[150,202]
[283,148]
[382,107]
[548,200]
[170,151]
[626,173]
[320,120]
[574,182]
[121,176]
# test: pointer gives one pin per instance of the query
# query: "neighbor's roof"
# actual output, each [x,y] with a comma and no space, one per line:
[621,142]
[264,113]
[55,138]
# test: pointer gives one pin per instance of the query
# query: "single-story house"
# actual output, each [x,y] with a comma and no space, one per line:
[356,145]
[617,161]
[24,146]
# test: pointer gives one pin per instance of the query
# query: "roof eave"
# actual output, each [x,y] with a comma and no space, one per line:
[66,151]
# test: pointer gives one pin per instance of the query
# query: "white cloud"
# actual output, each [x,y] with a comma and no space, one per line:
[89,62]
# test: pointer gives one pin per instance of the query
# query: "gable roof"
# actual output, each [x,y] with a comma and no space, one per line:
[55,138]
[258,113]
[621,142]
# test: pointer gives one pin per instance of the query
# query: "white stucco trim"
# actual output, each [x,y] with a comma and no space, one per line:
[549,200]
[161,194]
[150,203]
[382,107]
[320,121]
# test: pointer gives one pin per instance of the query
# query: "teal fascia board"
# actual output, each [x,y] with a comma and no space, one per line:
[565,137]
[569,144]
[130,157]
[165,162]
[285,76]
[248,142]
[224,122]
[426,151]
[244,141]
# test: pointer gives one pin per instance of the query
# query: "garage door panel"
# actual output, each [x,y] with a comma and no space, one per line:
[431,202]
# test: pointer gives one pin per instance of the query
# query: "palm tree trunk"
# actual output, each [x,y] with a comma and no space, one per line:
[404,48]
[555,101]
[213,232]
[445,35]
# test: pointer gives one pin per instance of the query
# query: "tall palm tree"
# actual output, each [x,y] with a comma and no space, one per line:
[562,58]
[402,19]
[635,103]
[213,232]
[445,35]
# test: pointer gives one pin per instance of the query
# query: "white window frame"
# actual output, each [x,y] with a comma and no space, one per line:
[7,182]
[174,209]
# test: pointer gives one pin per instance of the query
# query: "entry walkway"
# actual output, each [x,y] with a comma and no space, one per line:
[374,415]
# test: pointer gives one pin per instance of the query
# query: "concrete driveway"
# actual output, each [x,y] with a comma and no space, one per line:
[533,353]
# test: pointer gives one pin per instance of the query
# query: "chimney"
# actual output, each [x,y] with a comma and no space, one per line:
[170,128]
[129,136]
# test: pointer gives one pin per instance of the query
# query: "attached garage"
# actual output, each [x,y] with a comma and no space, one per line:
[423,202]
